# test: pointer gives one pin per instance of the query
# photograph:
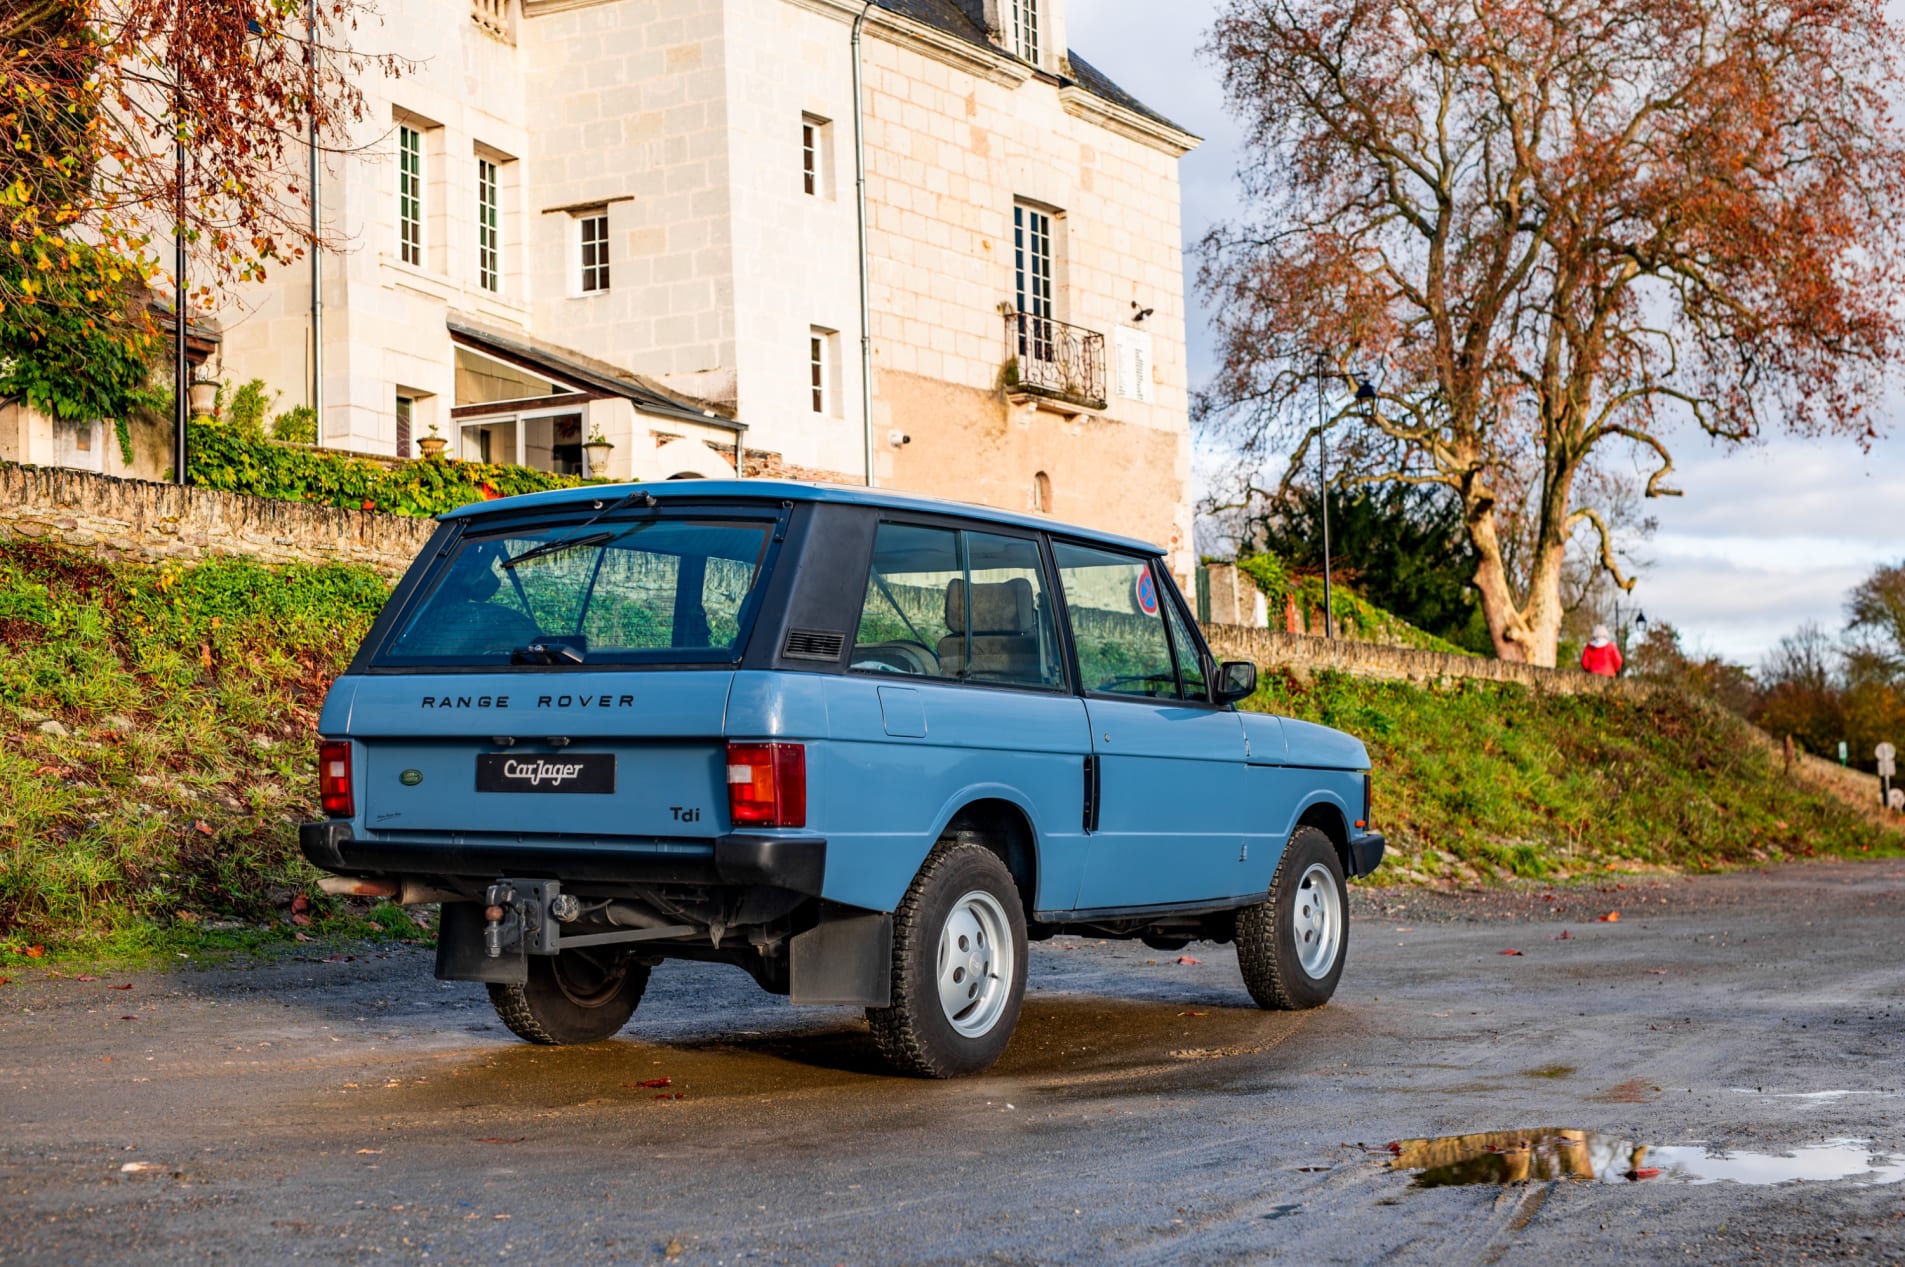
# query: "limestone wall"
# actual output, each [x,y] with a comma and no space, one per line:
[137,519]
[1303,654]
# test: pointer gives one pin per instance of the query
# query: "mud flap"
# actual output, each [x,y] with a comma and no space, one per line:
[844,959]
[460,954]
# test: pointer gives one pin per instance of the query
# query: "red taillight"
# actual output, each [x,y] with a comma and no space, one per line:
[767,784]
[334,778]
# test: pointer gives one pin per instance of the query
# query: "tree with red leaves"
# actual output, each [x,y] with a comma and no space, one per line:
[95,97]
[1552,232]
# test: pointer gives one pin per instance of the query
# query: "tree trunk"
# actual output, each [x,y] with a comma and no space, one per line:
[1527,634]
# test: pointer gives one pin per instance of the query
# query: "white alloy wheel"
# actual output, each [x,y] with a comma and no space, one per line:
[974,967]
[1317,925]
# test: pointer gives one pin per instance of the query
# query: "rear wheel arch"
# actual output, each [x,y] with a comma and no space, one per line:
[1006,829]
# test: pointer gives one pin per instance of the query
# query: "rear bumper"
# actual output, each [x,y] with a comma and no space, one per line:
[1365,852]
[796,863]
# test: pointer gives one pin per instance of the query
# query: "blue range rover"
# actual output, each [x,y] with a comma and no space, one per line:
[861,744]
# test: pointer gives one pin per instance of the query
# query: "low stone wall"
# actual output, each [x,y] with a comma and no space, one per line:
[1303,654]
[138,519]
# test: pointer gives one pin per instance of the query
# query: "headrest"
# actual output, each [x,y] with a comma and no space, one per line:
[998,607]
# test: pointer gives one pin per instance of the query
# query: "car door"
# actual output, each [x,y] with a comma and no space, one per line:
[1171,824]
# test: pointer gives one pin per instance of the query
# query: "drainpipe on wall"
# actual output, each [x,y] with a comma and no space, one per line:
[317,253]
[860,198]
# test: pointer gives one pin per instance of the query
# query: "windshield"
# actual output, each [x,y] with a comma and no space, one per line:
[654,590]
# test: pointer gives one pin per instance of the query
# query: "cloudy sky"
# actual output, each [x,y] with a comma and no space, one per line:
[1766,537]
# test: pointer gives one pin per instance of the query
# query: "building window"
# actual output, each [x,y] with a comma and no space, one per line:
[592,238]
[816,155]
[406,417]
[1025,30]
[818,369]
[410,194]
[1032,270]
[489,256]
[1042,493]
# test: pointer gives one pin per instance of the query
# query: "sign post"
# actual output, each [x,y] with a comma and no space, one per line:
[1887,755]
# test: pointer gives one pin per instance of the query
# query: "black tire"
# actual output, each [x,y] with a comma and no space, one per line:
[576,996]
[1281,942]
[965,898]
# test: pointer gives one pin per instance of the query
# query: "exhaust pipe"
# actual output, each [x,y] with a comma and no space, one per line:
[405,892]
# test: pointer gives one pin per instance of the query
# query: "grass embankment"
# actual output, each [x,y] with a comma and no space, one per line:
[156,731]
[1478,781]
[156,748]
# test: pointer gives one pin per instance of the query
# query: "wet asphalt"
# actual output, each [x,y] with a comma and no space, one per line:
[338,1105]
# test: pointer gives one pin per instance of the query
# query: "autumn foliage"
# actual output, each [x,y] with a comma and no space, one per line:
[1555,234]
[96,99]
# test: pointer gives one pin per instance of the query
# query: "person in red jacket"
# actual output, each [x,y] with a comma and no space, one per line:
[1601,655]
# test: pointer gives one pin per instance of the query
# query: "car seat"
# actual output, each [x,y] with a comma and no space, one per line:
[1002,618]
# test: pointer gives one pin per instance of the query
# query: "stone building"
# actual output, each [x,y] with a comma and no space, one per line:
[638,218]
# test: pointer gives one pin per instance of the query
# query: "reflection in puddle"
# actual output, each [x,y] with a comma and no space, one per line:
[1501,1157]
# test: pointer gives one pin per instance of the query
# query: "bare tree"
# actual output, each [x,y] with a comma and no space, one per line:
[1560,226]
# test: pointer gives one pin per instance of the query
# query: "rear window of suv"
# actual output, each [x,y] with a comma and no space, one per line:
[653,591]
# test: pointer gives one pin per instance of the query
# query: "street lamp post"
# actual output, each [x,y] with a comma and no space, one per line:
[1323,493]
[179,385]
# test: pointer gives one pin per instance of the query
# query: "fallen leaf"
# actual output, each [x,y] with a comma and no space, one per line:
[655,1082]
[85,976]
[1190,1013]
[301,936]
[126,986]
[1186,959]
[1656,972]
[34,952]
[1612,917]
[672,1249]
[202,827]
[498,1139]
[302,921]
[1508,952]
[1644,1172]
[300,904]
[1564,935]
[4,980]
[369,1152]
[129,1018]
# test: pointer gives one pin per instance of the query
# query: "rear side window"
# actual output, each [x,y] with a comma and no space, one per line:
[969,606]
[1117,622]
[651,591]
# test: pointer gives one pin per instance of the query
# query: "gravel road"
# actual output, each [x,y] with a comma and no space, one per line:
[1625,1088]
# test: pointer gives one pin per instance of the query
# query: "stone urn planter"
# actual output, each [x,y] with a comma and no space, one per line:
[598,451]
[432,446]
[202,397]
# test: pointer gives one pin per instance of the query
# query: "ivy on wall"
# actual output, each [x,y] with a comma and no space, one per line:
[226,458]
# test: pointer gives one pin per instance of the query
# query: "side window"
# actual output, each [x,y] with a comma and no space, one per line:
[1117,622]
[1004,610]
[973,606]
[903,620]
[1190,667]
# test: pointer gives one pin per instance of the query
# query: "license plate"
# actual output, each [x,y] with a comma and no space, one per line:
[544,772]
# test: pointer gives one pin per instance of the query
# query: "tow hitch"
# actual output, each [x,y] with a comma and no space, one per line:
[490,941]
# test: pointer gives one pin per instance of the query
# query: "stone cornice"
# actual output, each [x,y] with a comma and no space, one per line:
[1081,103]
[996,66]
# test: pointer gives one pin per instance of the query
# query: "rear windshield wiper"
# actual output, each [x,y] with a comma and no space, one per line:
[558,546]
[640,497]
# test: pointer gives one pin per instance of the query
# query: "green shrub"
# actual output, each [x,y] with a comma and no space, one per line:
[223,456]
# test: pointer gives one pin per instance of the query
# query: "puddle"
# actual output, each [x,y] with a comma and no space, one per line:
[1504,1157]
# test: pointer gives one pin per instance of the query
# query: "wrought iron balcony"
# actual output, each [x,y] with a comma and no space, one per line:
[1050,358]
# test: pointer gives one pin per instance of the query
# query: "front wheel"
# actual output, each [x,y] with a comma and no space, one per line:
[1291,945]
[577,996]
[958,967]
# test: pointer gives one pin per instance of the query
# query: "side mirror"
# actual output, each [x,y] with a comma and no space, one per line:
[1236,679]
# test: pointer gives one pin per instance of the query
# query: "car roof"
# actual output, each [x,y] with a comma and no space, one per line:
[785,490]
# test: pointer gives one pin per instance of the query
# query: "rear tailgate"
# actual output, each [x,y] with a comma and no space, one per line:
[631,753]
